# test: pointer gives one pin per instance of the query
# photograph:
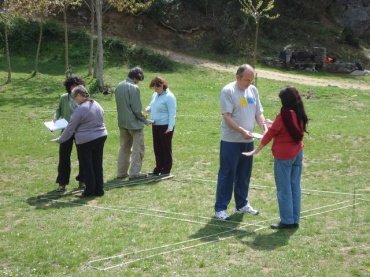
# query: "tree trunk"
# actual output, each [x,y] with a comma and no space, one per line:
[41,25]
[95,69]
[66,54]
[92,32]
[100,53]
[256,43]
[7,54]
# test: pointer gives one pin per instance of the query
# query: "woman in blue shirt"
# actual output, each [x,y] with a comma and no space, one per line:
[162,110]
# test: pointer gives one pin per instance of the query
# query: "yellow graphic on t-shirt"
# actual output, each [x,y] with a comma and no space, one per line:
[243,102]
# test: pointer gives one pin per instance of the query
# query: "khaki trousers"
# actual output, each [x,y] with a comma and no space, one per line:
[131,152]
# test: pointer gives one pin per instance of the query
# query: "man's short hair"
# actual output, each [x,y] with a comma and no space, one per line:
[136,73]
[243,68]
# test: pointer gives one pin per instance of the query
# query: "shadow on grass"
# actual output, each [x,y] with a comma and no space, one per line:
[217,230]
[48,200]
[271,241]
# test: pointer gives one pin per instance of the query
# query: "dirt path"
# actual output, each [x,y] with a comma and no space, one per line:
[279,76]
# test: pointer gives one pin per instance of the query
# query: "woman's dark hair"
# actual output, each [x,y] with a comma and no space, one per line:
[136,73]
[158,81]
[291,100]
[73,81]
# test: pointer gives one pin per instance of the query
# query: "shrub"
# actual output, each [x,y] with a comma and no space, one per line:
[350,37]
[149,59]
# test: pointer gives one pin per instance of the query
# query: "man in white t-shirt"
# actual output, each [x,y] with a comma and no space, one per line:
[240,109]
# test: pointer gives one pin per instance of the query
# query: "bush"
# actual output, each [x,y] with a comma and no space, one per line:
[115,51]
[350,37]
[21,33]
[149,59]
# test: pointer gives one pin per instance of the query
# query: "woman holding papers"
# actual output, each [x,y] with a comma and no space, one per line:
[287,133]
[65,109]
[87,126]
[162,110]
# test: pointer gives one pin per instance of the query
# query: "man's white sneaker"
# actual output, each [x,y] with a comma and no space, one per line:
[247,209]
[222,215]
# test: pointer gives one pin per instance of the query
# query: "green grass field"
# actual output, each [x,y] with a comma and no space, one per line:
[166,228]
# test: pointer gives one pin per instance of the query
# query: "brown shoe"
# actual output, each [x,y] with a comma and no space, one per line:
[122,177]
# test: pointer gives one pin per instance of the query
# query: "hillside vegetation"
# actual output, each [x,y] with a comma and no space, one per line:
[219,30]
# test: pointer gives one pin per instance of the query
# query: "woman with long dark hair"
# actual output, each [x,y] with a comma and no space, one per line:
[287,133]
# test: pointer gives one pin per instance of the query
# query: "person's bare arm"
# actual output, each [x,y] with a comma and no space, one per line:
[261,121]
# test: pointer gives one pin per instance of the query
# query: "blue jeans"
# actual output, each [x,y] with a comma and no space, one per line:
[288,186]
[234,174]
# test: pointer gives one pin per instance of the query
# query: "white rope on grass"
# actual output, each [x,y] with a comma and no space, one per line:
[332,210]
[262,186]
[132,210]
[231,229]
[187,247]
[164,252]
[363,199]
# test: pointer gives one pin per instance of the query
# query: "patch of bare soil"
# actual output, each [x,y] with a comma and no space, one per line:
[271,75]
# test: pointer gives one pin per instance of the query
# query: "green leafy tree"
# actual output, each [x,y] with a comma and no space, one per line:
[131,6]
[258,9]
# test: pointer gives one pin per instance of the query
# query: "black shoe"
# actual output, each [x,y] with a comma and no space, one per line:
[99,193]
[284,226]
[81,185]
[61,188]
[84,194]
[153,174]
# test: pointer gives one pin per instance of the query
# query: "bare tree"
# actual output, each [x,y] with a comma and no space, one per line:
[91,6]
[130,6]
[100,50]
[5,17]
[258,9]
[9,79]
[63,6]
[28,10]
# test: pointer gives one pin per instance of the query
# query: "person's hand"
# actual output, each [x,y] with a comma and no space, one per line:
[251,153]
[167,131]
[268,123]
[246,134]
[55,140]
[148,122]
